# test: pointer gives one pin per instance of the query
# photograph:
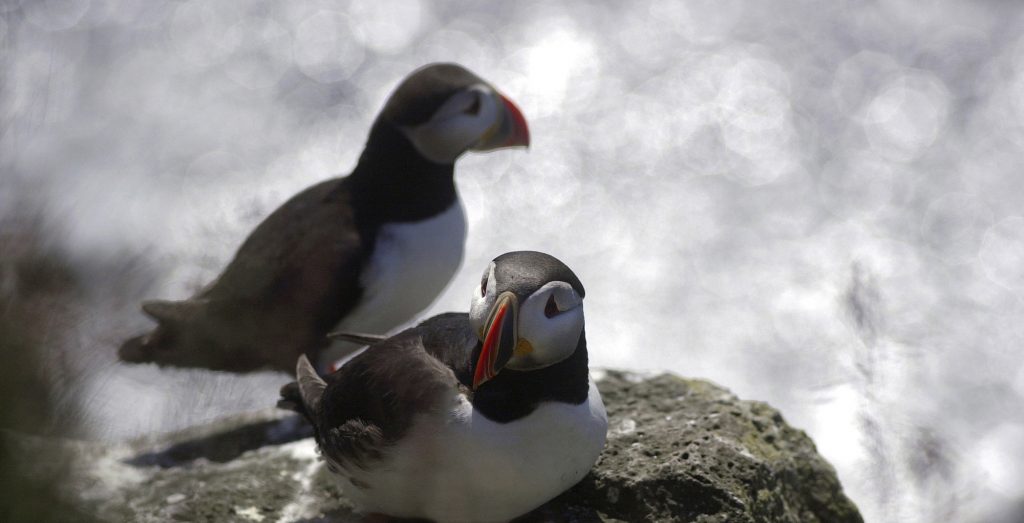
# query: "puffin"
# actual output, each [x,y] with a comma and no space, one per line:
[465,417]
[364,252]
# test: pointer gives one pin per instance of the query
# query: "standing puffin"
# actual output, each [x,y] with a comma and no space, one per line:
[365,252]
[478,418]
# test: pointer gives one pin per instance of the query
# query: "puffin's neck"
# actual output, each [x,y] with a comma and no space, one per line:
[513,394]
[396,183]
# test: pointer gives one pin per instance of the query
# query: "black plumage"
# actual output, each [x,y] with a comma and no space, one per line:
[298,273]
[372,400]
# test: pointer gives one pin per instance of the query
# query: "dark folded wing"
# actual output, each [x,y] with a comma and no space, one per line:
[450,338]
[373,399]
[304,257]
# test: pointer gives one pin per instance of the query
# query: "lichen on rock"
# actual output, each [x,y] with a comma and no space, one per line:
[678,450]
[696,453]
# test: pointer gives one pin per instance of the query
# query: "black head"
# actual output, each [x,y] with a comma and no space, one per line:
[523,272]
[528,312]
[423,92]
[445,110]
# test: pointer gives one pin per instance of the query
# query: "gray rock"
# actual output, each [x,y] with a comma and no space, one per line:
[688,450]
[678,450]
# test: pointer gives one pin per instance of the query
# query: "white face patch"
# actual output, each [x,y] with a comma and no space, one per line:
[551,321]
[457,465]
[483,300]
[461,122]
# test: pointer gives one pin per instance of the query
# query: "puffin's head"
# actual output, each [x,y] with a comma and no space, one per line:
[528,312]
[445,110]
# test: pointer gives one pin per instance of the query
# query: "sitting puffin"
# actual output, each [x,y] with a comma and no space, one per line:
[365,252]
[478,418]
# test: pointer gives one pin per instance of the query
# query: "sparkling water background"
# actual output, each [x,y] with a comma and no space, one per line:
[816,204]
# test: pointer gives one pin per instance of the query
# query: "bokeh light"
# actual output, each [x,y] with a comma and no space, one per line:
[325,46]
[388,26]
[56,15]
[815,207]
[1002,253]
[906,115]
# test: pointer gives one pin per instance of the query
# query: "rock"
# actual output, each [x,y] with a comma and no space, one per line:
[688,450]
[678,450]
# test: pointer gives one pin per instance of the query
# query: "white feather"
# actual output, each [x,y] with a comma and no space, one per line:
[410,266]
[459,466]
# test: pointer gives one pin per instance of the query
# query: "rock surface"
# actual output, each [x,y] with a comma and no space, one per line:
[678,450]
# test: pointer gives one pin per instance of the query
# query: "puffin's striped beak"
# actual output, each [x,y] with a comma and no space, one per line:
[500,339]
[520,134]
[509,131]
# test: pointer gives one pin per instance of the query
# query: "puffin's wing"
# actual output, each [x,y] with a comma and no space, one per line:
[357,337]
[373,399]
[294,277]
[447,337]
[303,395]
[450,339]
[304,257]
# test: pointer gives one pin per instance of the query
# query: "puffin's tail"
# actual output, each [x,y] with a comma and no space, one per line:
[156,345]
[303,395]
[291,399]
[137,349]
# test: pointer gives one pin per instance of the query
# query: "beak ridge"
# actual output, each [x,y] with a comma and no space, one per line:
[520,133]
[500,339]
[510,129]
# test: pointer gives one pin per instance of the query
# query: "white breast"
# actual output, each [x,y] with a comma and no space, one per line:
[464,467]
[410,266]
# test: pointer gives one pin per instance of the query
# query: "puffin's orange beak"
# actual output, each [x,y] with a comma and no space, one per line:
[500,339]
[520,133]
[508,130]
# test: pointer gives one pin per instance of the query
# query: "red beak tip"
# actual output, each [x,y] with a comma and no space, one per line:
[485,362]
[521,131]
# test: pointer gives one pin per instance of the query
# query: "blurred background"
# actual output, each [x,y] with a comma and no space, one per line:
[817,205]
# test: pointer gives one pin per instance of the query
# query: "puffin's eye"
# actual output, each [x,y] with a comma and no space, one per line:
[474,107]
[483,286]
[551,308]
